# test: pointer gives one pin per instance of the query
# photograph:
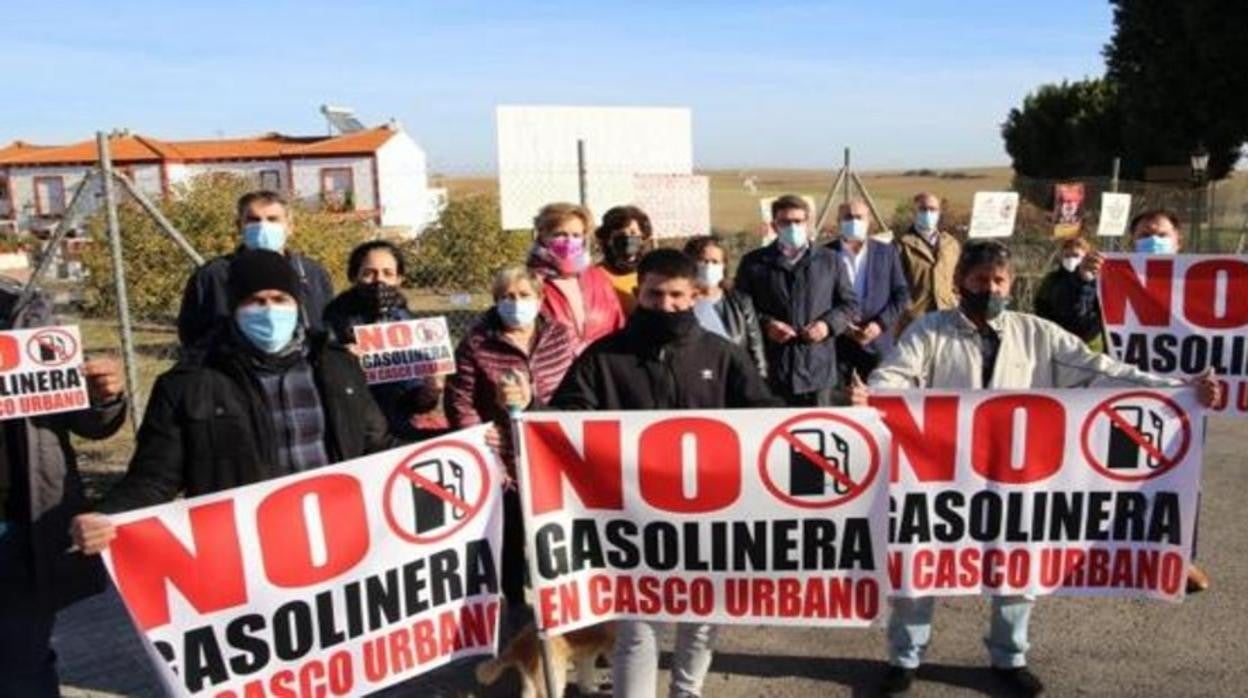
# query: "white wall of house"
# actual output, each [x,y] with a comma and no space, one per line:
[22,181]
[147,178]
[22,185]
[307,176]
[251,169]
[406,201]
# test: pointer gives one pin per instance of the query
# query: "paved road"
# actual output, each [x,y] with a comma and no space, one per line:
[1079,646]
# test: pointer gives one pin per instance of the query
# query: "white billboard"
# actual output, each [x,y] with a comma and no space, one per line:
[537,161]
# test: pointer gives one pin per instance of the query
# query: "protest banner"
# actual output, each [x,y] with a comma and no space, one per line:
[41,372]
[1089,493]
[1115,214]
[332,582]
[724,516]
[993,214]
[406,349]
[1068,210]
[1180,315]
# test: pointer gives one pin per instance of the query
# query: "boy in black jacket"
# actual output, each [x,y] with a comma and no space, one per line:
[662,359]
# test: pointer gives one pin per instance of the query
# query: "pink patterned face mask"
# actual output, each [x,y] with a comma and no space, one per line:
[569,253]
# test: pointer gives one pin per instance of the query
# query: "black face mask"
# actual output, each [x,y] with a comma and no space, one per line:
[625,250]
[379,300]
[664,327]
[985,304]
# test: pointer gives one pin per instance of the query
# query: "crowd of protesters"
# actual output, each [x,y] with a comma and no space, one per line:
[269,382]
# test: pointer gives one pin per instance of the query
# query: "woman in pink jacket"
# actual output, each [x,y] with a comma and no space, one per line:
[576,294]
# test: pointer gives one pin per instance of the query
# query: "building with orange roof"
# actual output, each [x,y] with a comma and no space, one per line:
[378,173]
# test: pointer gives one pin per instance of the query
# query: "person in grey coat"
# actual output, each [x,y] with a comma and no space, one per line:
[734,310]
[40,490]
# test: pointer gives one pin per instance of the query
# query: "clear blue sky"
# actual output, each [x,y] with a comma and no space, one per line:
[786,84]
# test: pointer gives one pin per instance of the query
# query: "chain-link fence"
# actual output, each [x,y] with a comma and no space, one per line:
[451,263]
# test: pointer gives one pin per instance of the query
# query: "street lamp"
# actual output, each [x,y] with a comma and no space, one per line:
[1200,162]
[1200,165]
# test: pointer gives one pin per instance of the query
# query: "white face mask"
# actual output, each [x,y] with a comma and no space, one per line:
[1072,263]
[710,274]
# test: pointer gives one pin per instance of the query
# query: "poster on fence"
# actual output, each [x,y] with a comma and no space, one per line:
[993,214]
[1068,209]
[1180,315]
[773,517]
[1089,493]
[41,372]
[404,350]
[336,581]
[1115,214]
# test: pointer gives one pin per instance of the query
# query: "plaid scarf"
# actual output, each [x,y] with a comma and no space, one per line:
[294,406]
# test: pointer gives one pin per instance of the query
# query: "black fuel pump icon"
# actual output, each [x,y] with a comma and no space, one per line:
[805,477]
[1125,451]
[431,510]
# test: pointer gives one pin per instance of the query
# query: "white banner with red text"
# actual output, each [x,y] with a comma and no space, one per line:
[775,517]
[41,372]
[405,350]
[337,581]
[1074,492]
[1180,315]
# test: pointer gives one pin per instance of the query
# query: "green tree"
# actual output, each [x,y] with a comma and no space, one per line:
[1181,71]
[1064,130]
[465,247]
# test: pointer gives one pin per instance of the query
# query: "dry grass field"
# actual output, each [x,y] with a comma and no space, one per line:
[734,209]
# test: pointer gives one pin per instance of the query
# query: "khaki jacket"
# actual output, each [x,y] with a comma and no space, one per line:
[942,350]
[929,272]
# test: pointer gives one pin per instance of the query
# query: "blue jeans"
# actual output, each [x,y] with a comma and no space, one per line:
[27,662]
[635,661]
[910,630]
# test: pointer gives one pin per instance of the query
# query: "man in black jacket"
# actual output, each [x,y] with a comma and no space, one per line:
[269,400]
[40,490]
[661,360]
[804,300]
[264,223]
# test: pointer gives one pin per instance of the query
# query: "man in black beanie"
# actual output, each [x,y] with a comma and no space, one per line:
[270,399]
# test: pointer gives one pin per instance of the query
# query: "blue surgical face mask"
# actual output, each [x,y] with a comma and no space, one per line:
[925,221]
[264,235]
[1155,244]
[269,327]
[853,229]
[792,236]
[521,312]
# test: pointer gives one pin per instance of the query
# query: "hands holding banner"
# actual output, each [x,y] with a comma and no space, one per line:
[104,380]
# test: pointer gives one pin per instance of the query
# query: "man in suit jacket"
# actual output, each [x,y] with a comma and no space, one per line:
[804,300]
[874,269]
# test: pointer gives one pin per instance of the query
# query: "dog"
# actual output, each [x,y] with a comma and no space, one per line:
[579,648]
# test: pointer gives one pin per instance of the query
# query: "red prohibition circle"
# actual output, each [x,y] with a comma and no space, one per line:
[781,431]
[401,471]
[71,344]
[1103,409]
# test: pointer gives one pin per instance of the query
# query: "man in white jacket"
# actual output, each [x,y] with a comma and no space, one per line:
[981,345]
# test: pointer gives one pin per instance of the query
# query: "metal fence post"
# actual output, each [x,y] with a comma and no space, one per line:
[119,281]
[582,180]
[845,182]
